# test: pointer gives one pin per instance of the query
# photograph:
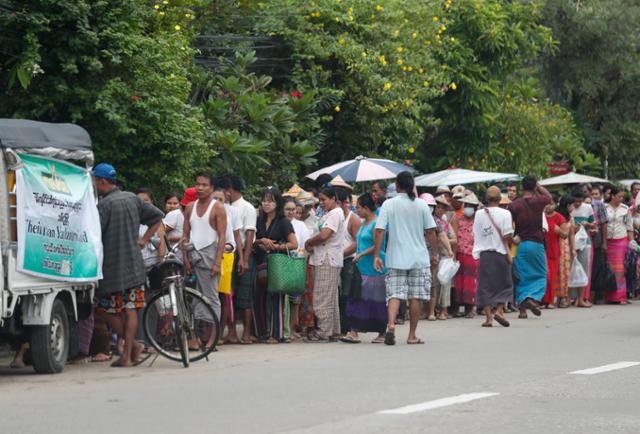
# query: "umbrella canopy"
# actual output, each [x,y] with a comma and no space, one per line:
[571,178]
[363,169]
[626,183]
[462,176]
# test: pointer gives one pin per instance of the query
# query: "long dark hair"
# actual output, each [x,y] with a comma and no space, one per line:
[405,181]
[563,207]
[273,193]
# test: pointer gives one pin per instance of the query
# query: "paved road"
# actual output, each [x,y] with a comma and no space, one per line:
[339,388]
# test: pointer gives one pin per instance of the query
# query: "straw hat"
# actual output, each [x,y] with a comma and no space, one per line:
[443,189]
[442,200]
[339,182]
[470,198]
[307,199]
[294,191]
[458,192]
[504,200]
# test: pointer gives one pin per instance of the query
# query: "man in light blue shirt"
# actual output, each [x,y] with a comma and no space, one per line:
[408,221]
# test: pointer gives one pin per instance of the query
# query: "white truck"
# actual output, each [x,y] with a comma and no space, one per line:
[42,311]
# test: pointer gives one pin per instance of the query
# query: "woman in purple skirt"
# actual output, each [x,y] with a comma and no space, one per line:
[367,311]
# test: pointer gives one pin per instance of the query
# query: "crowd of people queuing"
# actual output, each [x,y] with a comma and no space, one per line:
[373,260]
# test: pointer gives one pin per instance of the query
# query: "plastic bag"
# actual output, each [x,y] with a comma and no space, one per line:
[577,276]
[582,238]
[447,270]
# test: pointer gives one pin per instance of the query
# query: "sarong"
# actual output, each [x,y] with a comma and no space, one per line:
[495,285]
[369,312]
[531,264]
[307,317]
[466,280]
[553,265]
[325,299]
[564,268]
[616,252]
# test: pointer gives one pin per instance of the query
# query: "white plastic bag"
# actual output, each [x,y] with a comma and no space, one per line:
[582,238]
[447,270]
[577,276]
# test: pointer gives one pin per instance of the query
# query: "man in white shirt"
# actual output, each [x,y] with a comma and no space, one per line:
[244,275]
[492,232]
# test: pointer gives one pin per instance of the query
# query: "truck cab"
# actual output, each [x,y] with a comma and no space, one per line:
[37,309]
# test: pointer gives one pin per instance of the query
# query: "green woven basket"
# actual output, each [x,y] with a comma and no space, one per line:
[285,274]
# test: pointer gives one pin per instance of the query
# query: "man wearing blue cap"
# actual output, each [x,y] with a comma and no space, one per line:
[120,292]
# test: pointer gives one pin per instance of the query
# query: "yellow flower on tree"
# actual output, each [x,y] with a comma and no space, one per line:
[454,86]
[337,109]
[177,27]
[425,83]
[363,54]
[341,41]
[161,13]
[414,35]
[382,59]
[386,86]
[379,8]
[435,19]
[399,62]
[409,68]
[411,149]
[156,6]
[399,49]
[421,70]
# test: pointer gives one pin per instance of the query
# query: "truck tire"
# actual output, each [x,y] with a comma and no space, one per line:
[50,343]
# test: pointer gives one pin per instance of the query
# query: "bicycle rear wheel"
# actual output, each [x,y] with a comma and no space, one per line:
[197,336]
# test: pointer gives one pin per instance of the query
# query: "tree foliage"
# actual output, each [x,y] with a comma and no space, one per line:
[119,68]
[596,73]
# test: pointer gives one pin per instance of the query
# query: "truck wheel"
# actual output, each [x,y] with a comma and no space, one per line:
[50,343]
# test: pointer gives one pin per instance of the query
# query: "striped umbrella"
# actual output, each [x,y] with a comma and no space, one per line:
[455,176]
[363,169]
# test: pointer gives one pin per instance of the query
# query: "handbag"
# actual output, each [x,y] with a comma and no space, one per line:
[577,276]
[351,282]
[515,276]
[286,274]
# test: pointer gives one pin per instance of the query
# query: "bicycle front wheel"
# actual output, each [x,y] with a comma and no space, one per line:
[197,333]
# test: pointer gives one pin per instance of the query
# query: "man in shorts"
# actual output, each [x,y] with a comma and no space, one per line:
[408,222]
[120,293]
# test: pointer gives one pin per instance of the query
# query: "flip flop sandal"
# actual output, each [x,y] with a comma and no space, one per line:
[528,304]
[486,324]
[431,318]
[389,338]
[502,321]
[378,341]
[416,342]
[141,360]
[243,342]
[349,339]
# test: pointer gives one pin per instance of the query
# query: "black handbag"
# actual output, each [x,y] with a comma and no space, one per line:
[351,282]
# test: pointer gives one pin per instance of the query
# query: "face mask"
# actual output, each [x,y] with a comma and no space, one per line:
[596,200]
[469,212]
[268,207]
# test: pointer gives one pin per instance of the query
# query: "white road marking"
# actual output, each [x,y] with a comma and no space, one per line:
[430,405]
[605,368]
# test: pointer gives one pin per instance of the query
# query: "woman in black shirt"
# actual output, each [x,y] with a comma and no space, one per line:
[274,234]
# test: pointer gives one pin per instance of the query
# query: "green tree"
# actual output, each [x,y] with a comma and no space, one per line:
[595,74]
[255,131]
[119,68]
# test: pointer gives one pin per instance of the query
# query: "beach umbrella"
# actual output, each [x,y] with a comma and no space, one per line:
[362,169]
[454,176]
[572,178]
[626,183]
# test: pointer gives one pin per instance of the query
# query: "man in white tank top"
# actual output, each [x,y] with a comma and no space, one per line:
[205,225]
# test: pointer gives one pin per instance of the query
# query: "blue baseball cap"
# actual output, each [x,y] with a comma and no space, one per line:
[105,171]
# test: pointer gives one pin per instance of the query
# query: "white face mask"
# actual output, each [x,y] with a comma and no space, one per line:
[469,212]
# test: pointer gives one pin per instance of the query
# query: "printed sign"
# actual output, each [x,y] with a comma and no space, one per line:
[59,234]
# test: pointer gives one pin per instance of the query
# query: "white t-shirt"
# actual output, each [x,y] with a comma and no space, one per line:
[485,236]
[247,215]
[233,224]
[174,220]
[301,231]
[330,252]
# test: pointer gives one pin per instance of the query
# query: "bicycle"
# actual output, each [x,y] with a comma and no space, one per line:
[178,321]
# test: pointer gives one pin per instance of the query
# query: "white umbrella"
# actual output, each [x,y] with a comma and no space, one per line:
[462,176]
[363,169]
[626,183]
[572,178]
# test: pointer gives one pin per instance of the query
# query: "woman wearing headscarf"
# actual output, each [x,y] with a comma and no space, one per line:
[467,277]
[492,233]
